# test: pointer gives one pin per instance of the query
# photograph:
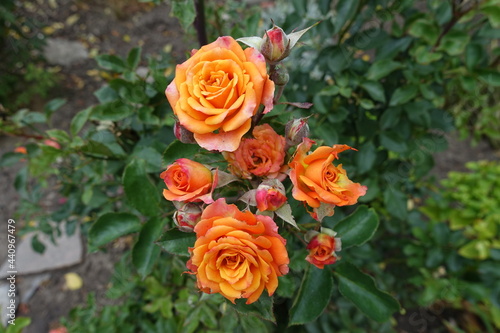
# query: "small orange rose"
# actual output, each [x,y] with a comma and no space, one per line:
[217,91]
[262,156]
[317,180]
[270,195]
[188,181]
[322,247]
[237,254]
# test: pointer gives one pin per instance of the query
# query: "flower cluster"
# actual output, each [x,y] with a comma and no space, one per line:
[219,97]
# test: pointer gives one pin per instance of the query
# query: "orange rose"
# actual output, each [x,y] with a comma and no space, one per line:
[188,181]
[262,156]
[237,254]
[322,247]
[217,91]
[317,180]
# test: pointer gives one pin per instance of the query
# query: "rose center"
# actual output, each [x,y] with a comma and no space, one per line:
[180,179]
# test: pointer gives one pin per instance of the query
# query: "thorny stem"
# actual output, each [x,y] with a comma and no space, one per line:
[199,22]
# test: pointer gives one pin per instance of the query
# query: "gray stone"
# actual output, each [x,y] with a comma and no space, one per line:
[64,52]
[66,252]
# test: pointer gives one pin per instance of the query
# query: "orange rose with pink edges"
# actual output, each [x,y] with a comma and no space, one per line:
[262,156]
[317,180]
[217,91]
[237,254]
[322,247]
[188,181]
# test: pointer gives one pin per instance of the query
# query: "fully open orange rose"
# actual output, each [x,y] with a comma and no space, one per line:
[217,91]
[262,156]
[237,254]
[317,180]
[188,181]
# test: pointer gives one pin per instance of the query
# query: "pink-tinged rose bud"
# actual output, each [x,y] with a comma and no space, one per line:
[52,143]
[183,134]
[187,217]
[295,131]
[270,195]
[322,247]
[275,45]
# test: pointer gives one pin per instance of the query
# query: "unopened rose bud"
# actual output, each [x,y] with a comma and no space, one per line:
[183,134]
[275,45]
[270,195]
[279,75]
[322,247]
[295,131]
[187,217]
[52,143]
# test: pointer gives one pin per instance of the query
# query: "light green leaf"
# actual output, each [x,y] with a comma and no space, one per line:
[145,251]
[79,121]
[111,62]
[382,68]
[425,29]
[184,11]
[312,297]
[361,290]
[110,226]
[357,228]
[140,191]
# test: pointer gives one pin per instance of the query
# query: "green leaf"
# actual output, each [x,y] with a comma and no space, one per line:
[477,249]
[134,57]
[493,13]
[313,296]
[59,135]
[111,62]
[425,29]
[178,150]
[177,242]
[454,42]
[145,251]
[110,226]
[79,121]
[357,228]
[184,11]
[396,203]
[97,149]
[393,141]
[403,94]
[21,322]
[106,94]
[382,68]
[53,105]
[375,90]
[140,191]
[10,158]
[262,308]
[37,245]
[112,111]
[365,157]
[345,12]
[361,290]
[491,77]
[474,54]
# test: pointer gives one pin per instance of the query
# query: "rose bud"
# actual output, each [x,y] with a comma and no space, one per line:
[183,134]
[322,247]
[187,217]
[270,195]
[295,131]
[52,143]
[275,45]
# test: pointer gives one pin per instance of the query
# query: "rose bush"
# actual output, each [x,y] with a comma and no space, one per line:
[262,156]
[216,92]
[317,180]
[188,181]
[237,254]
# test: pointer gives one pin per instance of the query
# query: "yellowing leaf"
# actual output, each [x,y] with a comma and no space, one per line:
[72,19]
[73,281]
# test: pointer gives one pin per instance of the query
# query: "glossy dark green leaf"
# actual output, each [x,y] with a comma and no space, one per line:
[111,62]
[145,251]
[134,57]
[474,54]
[393,141]
[178,150]
[312,297]
[140,191]
[37,245]
[403,95]
[345,12]
[79,121]
[110,226]
[361,290]
[262,308]
[426,29]
[491,77]
[393,47]
[357,228]
[375,90]
[382,68]
[396,203]
[365,157]
[177,242]
[97,149]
